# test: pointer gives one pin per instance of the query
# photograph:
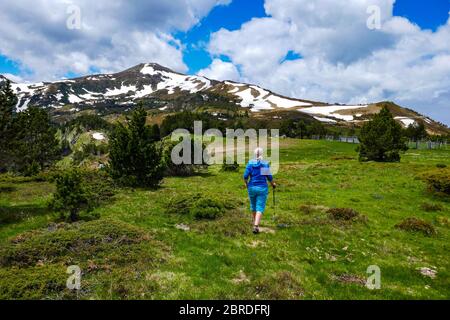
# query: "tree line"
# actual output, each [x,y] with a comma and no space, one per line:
[28,141]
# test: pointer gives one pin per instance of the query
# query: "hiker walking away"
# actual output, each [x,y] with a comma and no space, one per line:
[256,176]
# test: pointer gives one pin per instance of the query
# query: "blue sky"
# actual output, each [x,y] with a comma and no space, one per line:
[317,50]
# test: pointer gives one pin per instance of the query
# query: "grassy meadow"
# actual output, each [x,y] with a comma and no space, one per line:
[141,249]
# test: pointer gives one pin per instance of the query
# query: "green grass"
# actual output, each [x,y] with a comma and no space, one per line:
[305,254]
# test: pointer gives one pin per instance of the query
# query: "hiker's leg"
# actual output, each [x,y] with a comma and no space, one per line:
[261,205]
[258,219]
[253,201]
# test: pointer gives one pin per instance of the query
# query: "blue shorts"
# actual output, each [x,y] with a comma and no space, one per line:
[258,198]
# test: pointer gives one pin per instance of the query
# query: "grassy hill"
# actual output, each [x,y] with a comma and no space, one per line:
[145,245]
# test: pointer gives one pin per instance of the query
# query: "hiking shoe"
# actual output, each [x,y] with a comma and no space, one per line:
[256,230]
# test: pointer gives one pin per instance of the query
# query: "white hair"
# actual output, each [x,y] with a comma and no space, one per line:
[259,153]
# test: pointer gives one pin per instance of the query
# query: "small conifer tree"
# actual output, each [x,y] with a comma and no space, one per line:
[382,139]
[135,158]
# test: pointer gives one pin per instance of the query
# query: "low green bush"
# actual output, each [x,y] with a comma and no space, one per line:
[199,207]
[184,169]
[438,181]
[80,191]
[431,207]
[207,209]
[417,225]
[230,167]
[33,283]
[33,264]
[67,243]
[345,214]
[182,205]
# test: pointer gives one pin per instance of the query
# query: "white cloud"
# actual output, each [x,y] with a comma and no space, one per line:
[114,34]
[342,60]
[220,70]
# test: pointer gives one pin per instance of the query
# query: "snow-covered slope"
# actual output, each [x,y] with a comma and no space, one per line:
[258,99]
[143,81]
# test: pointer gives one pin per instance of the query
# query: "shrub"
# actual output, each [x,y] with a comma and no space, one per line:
[99,186]
[182,205]
[199,207]
[382,139]
[438,181]
[33,283]
[71,196]
[82,190]
[343,214]
[230,167]
[417,225]
[63,243]
[306,209]
[207,209]
[431,207]
[183,169]
[33,265]
[441,166]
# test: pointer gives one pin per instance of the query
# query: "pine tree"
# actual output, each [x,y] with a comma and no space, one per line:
[36,145]
[70,196]
[382,139]
[8,102]
[135,159]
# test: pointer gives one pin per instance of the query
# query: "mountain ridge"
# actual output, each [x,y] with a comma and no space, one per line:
[170,91]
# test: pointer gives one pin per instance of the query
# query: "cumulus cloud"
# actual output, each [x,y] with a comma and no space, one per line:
[113,35]
[220,70]
[342,60]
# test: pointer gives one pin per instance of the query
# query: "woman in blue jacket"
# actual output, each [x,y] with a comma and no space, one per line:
[256,176]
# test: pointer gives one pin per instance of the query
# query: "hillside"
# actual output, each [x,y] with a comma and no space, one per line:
[168,91]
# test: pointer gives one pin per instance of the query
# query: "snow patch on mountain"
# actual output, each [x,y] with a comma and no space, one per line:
[172,81]
[146,91]
[326,120]
[250,101]
[119,91]
[332,111]
[74,98]
[406,121]
[286,103]
[259,99]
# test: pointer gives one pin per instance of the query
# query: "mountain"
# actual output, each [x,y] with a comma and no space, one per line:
[168,91]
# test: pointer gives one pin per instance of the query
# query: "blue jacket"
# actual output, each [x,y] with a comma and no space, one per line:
[259,173]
